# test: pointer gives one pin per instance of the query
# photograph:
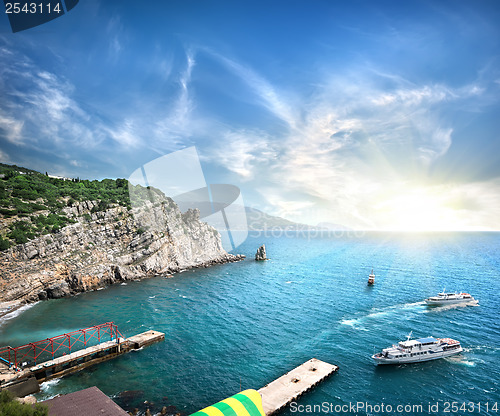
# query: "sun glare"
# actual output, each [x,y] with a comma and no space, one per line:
[418,212]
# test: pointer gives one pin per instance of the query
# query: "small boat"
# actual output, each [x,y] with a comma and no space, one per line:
[371,278]
[444,298]
[417,350]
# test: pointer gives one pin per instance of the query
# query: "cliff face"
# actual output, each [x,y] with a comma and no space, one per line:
[103,248]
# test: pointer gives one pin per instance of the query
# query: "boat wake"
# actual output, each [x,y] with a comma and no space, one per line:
[354,323]
[358,323]
[450,307]
[460,361]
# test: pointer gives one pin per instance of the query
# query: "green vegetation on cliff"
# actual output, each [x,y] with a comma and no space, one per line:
[11,407]
[32,203]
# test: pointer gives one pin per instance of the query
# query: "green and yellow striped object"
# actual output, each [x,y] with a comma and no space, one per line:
[246,403]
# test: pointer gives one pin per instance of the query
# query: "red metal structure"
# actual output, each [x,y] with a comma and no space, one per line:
[50,348]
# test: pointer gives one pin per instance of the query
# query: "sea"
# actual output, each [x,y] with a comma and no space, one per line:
[241,325]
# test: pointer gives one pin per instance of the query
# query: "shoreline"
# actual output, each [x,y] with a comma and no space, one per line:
[9,307]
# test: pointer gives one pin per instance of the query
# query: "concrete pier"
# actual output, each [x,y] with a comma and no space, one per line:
[77,360]
[145,339]
[279,393]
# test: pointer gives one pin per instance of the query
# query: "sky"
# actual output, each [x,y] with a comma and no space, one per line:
[377,115]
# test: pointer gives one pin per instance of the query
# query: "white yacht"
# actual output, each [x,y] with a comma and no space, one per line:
[416,350]
[444,298]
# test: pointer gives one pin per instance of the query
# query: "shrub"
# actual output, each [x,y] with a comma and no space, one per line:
[4,244]
[101,206]
[24,193]
[11,407]
[18,236]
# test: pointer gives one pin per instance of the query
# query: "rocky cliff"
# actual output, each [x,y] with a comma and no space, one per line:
[102,248]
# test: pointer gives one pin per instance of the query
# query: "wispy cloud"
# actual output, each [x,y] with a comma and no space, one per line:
[244,152]
[267,94]
[126,134]
[352,142]
[4,157]
[175,124]
[12,128]
[116,34]
[41,112]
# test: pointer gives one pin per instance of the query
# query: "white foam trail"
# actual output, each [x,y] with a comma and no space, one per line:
[15,313]
[482,348]
[354,323]
[461,361]
[377,313]
[46,386]
[139,349]
[450,307]
[395,308]
[123,284]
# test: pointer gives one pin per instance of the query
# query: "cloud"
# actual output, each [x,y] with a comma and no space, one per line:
[4,157]
[115,35]
[12,128]
[266,93]
[244,152]
[76,163]
[125,135]
[39,111]
[351,141]
[38,108]
[175,123]
[357,141]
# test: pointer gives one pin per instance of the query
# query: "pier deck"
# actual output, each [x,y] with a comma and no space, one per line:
[280,392]
[145,339]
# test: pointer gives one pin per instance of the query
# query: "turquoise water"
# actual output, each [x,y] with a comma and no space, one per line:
[242,325]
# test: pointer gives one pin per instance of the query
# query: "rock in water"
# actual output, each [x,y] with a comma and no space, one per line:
[261,253]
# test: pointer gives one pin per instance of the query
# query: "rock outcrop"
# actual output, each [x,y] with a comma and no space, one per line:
[102,248]
[261,253]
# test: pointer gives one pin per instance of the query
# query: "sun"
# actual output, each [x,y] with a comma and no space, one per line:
[418,211]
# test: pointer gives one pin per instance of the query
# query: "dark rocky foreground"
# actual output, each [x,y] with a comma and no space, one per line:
[104,248]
